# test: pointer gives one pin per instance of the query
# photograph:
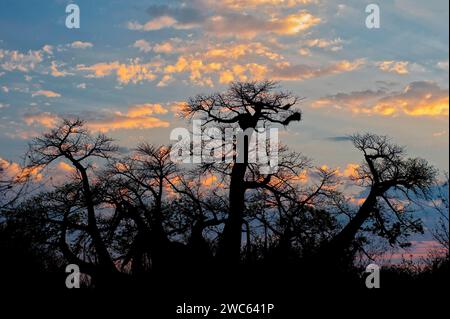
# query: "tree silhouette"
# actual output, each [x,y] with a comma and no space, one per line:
[390,177]
[74,143]
[246,105]
[138,217]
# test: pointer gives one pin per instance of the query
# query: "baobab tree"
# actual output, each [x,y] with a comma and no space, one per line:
[246,106]
[72,142]
[137,185]
[393,181]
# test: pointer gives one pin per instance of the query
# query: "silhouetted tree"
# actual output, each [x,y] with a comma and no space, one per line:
[247,106]
[72,142]
[390,177]
[440,205]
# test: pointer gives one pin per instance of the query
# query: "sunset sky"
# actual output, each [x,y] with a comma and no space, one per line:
[129,67]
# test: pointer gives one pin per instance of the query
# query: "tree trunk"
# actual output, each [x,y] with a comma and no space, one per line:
[337,246]
[230,246]
[230,249]
[103,255]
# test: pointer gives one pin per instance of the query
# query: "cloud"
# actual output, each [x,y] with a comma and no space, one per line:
[399,67]
[154,24]
[81,45]
[286,71]
[214,63]
[239,50]
[100,70]
[216,19]
[65,168]
[46,93]
[137,117]
[246,72]
[443,65]
[166,79]
[133,72]
[142,45]
[249,26]
[146,109]
[58,73]
[14,171]
[304,51]
[419,98]
[48,49]
[177,107]
[351,170]
[165,47]
[245,4]
[17,61]
[332,45]
[45,119]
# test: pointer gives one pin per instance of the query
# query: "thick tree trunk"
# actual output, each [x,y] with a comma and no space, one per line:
[230,249]
[230,246]
[337,246]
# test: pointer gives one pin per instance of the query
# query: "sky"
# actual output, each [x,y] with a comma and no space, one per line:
[132,64]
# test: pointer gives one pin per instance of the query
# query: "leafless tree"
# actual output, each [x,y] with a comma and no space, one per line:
[246,106]
[393,180]
[72,142]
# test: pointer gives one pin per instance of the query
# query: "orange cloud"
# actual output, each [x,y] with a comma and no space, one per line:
[137,117]
[99,70]
[420,98]
[154,24]
[286,71]
[294,23]
[351,170]
[165,47]
[177,107]
[142,45]
[64,167]
[46,93]
[146,109]
[45,119]
[209,180]
[57,73]
[244,4]
[133,72]
[237,51]
[248,26]
[399,67]
[15,172]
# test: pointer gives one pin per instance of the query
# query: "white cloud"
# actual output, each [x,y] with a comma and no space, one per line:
[18,61]
[81,45]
